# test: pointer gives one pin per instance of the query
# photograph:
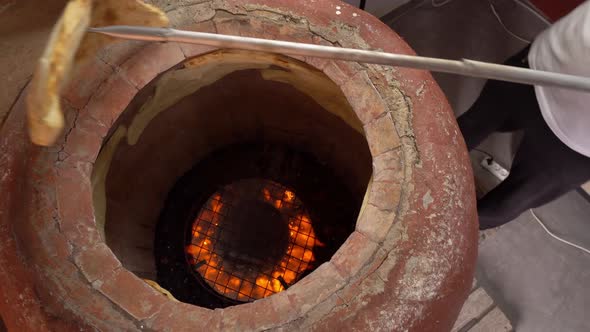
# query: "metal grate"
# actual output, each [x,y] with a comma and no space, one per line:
[253,278]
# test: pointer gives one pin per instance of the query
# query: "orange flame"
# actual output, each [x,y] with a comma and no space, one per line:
[295,261]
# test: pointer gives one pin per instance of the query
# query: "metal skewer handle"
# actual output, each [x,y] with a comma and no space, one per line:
[463,67]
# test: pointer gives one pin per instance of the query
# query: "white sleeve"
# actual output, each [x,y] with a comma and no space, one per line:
[565,48]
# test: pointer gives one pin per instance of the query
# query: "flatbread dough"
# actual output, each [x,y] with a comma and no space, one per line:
[69,46]
[158,288]
[44,114]
[118,12]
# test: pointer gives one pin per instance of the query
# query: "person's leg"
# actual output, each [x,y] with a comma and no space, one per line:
[497,107]
[486,116]
[544,169]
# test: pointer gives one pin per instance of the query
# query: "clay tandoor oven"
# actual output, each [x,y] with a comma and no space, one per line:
[229,190]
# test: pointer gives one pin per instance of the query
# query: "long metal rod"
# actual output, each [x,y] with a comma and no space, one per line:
[463,67]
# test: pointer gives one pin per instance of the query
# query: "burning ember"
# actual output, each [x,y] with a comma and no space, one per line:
[234,273]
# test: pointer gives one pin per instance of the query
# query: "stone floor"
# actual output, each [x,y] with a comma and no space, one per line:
[481,314]
[538,282]
[541,284]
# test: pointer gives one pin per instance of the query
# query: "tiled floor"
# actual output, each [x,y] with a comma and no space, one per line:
[481,314]
[541,284]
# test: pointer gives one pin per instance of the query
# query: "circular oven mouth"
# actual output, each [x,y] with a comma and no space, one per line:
[213,124]
[251,239]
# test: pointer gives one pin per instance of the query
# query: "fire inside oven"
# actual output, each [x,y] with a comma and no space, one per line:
[248,221]
[251,239]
